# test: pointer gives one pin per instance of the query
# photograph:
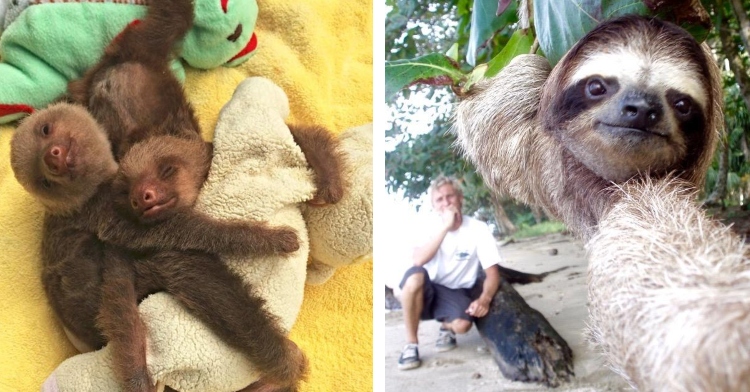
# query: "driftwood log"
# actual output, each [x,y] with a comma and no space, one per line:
[522,342]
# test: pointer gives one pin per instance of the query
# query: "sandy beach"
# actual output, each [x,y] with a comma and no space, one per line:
[561,297]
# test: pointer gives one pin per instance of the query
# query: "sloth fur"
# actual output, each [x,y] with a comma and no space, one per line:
[634,97]
[617,138]
[669,292]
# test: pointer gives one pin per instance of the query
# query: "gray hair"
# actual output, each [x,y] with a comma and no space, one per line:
[443,180]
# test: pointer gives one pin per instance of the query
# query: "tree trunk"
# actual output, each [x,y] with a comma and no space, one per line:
[720,188]
[538,213]
[744,22]
[735,62]
[501,217]
[522,342]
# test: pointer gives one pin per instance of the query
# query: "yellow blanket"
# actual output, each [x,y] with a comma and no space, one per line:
[320,53]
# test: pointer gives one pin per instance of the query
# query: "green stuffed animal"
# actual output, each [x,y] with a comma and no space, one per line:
[45,45]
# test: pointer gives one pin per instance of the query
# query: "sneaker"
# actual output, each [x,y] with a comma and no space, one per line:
[446,340]
[409,358]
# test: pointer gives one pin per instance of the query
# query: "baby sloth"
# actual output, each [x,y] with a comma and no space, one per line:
[133,94]
[634,97]
[98,264]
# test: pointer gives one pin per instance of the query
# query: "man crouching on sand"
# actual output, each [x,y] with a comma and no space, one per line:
[445,283]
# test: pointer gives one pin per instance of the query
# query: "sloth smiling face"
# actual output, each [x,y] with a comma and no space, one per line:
[633,96]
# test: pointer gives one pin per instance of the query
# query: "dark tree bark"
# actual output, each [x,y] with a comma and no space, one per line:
[522,342]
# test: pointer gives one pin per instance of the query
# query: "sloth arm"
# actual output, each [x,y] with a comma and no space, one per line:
[189,230]
[121,323]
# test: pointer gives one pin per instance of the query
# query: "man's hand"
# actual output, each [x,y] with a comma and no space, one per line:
[480,307]
[450,215]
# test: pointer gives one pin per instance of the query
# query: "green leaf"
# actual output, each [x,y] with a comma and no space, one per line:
[453,51]
[476,75]
[698,32]
[482,15]
[520,43]
[561,23]
[484,24]
[434,69]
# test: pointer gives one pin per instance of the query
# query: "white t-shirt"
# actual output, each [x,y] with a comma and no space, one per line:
[456,264]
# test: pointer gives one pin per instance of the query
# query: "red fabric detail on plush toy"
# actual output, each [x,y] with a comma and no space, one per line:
[14,109]
[224,5]
[249,48]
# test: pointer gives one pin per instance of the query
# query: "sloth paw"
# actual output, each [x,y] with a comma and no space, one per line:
[329,192]
[283,240]
[139,382]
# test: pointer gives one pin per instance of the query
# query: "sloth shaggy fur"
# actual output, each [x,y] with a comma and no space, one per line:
[542,136]
[615,141]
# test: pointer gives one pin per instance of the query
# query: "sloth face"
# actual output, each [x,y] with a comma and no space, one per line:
[633,103]
[60,155]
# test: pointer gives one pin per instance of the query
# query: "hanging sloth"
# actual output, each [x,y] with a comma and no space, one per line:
[636,103]
[634,97]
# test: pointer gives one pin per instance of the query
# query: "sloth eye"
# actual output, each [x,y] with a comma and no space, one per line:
[167,171]
[683,106]
[596,87]
[46,183]
[45,129]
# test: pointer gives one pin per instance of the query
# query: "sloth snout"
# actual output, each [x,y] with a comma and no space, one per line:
[640,112]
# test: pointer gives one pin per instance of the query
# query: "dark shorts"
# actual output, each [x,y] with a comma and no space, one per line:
[442,303]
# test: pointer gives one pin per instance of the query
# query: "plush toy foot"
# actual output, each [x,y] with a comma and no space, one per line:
[50,384]
[341,234]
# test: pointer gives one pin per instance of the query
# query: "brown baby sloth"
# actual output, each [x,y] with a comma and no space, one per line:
[97,264]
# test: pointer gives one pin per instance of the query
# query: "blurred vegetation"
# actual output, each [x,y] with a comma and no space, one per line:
[547,227]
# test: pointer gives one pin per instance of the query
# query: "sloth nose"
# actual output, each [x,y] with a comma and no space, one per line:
[640,112]
[144,199]
[54,159]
